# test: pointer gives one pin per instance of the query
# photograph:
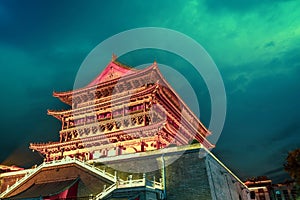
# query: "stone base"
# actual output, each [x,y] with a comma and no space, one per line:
[188,172]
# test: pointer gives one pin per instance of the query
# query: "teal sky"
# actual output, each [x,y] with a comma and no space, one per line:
[255,45]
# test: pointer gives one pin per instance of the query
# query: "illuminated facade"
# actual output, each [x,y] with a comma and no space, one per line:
[127,136]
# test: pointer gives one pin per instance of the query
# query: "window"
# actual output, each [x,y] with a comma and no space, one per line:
[278,195]
[286,195]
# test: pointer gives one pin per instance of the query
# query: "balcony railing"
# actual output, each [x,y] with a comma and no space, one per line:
[152,185]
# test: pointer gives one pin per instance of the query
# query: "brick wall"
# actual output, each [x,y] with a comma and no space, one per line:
[223,184]
[186,178]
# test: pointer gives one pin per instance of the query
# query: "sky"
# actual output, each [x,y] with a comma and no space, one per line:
[254,43]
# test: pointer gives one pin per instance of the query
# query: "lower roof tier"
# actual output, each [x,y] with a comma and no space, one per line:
[133,140]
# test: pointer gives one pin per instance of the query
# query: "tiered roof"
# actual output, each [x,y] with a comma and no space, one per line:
[139,102]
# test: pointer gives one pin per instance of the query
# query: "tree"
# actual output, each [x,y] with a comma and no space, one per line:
[292,165]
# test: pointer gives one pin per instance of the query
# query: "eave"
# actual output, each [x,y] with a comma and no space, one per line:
[103,102]
[175,95]
[67,96]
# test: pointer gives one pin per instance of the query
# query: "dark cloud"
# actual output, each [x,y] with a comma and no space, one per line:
[274,171]
[289,131]
[277,175]
[269,44]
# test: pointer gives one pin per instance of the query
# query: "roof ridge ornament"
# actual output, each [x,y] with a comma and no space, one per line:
[114,57]
[155,63]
